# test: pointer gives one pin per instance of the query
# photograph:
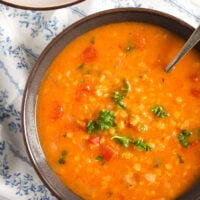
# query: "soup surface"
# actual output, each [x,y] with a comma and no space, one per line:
[113,125]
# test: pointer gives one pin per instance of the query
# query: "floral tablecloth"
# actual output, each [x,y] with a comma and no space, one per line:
[23,36]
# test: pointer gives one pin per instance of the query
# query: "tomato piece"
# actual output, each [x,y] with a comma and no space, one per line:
[94,140]
[89,54]
[194,143]
[57,111]
[121,197]
[107,152]
[195,92]
[82,91]
[120,47]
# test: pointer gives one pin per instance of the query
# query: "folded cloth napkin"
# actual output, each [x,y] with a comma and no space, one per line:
[23,36]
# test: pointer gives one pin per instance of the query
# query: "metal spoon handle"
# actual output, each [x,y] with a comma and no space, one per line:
[190,43]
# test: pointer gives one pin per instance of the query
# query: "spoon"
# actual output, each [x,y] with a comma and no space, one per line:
[190,43]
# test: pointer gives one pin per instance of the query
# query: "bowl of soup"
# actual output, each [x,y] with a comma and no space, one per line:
[103,120]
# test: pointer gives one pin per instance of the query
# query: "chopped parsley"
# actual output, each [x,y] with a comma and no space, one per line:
[118,96]
[198,134]
[100,159]
[92,127]
[129,47]
[82,80]
[62,157]
[180,159]
[159,111]
[81,66]
[92,40]
[110,194]
[65,135]
[143,128]
[156,162]
[139,143]
[104,121]
[123,140]
[183,138]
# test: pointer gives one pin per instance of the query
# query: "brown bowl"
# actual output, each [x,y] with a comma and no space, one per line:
[30,95]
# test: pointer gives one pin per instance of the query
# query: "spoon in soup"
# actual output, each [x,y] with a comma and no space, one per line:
[190,43]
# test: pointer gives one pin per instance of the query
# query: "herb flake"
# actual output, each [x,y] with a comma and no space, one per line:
[124,141]
[118,96]
[81,66]
[139,143]
[159,111]
[143,128]
[100,159]
[129,47]
[198,134]
[62,157]
[180,159]
[104,121]
[183,138]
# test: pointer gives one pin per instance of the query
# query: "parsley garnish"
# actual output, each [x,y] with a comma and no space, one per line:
[92,127]
[180,159]
[183,137]
[139,143]
[62,157]
[123,140]
[100,159]
[118,96]
[198,134]
[143,128]
[159,111]
[81,66]
[92,40]
[129,47]
[104,121]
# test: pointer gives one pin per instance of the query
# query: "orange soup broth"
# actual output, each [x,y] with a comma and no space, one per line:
[80,83]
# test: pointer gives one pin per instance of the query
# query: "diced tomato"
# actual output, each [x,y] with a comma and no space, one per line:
[195,92]
[107,152]
[94,140]
[194,143]
[121,197]
[120,47]
[82,91]
[57,111]
[89,54]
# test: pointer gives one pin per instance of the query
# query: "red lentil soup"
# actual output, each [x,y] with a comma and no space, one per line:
[113,124]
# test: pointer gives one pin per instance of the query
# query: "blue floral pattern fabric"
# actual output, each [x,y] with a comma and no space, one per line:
[23,36]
